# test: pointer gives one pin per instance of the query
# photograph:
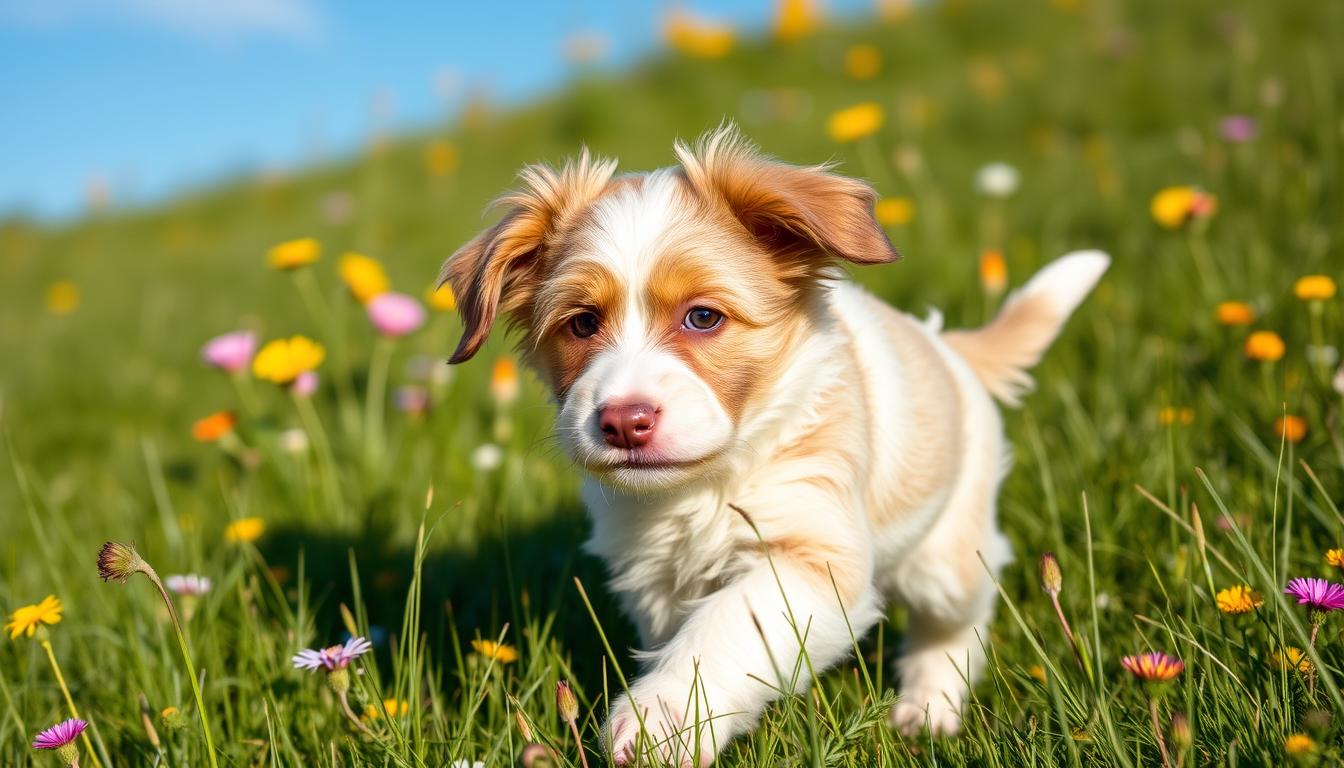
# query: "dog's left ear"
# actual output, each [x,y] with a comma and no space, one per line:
[791,209]
[498,270]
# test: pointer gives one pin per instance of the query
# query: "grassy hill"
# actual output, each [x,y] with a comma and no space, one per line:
[1147,405]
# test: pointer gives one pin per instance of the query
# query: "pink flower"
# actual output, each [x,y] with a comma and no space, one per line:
[395,314]
[60,735]
[412,400]
[304,385]
[335,657]
[230,352]
[1238,129]
[1154,666]
[189,585]
[1318,594]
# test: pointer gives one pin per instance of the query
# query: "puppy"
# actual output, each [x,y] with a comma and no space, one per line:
[770,452]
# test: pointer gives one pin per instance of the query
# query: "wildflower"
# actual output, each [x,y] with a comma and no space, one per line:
[282,360]
[1291,657]
[1172,415]
[395,314]
[441,298]
[504,654]
[189,585]
[230,352]
[697,37]
[993,271]
[62,297]
[118,562]
[440,158]
[413,401]
[1335,557]
[334,657]
[1314,288]
[1037,673]
[393,708]
[1234,313]
[997,180]
[294,441]
[1153,667]
[854,123]
[1173,207]
[1052,579]
[1291,428]
[1238,129]
[487,457]
[293,254]
[1299,744]
[565,702]
[363,277]
[213,427]
[26,620]
[1317,594]
[1323,355]
[304,385]
[504,381]
[1266,346]
[894,211]
[61,737]
[863,61]
[244,530]
[795,19]
[536,755]
[173,718]
[1238,599]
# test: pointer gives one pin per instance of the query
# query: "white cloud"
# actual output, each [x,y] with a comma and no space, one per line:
[212,20]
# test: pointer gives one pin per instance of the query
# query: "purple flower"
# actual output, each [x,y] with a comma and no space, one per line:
[335,657]
[395,314]
[1319,594]
[1238,129]
[230,352]
[60,735]
[304,385]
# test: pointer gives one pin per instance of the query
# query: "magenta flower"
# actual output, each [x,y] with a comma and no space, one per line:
[335,657]
[395,314]
[230,352]
[304,385]
[1238,129]
[1318,594]
[60,735]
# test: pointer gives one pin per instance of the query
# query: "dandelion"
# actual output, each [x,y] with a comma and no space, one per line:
[1314,288]
[62,297]
[1238,599]
[1173,207]
[894,211]
[1299,744]
[1291,657]
[293,254]
[363,277]
[1234,313]
[214,427]
[1335,558]
[1291,428]
[334,662]
[27,619]
[395,314]
[504,382]
[244,530]
[1266,346]
[440,158]
[1238,129]
[188,585]
[1037,673]
[440,298]
[863,61]
[282,360]
[795,19]
[489,649]
[1153,667]
[998,180]
[993,271]
[853,123]
[230,352]
[61,737]
[393,708]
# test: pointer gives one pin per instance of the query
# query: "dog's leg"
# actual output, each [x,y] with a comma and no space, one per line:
[739,648]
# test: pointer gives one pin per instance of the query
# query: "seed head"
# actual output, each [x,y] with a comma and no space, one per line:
[1052,579]
[566,703]
[117,561]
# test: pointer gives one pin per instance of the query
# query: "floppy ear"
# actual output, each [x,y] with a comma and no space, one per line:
[790,208]
[500,268]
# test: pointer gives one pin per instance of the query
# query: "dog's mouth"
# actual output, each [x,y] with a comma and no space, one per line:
[644,461]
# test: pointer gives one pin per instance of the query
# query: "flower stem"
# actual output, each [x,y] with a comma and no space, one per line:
[186,658]
[374,399]
[326,459]
[350,713]
[69,700]
[1068,633]
[578,742]
[1157,732]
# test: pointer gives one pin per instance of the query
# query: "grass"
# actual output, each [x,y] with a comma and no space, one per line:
[1099,106]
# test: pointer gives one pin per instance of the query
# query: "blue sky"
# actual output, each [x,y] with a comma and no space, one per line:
[152,96]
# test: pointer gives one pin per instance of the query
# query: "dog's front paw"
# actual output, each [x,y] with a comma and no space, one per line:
[655,729]
[918,709]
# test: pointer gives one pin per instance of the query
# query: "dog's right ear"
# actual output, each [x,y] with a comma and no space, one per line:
[498,271]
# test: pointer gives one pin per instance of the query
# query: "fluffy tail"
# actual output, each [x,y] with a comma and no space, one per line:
[1001,353]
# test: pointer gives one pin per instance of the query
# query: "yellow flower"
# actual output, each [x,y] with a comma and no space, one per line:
[26,619]
[441,298]
[292,254]
[1264,345]
[244,530]
[282,360]
[1038,673]
[1299,744]
[504,654]
[168,712]
[394,708]
[1234,313]
[993,271]
[1172,207]
[440,158]
[863,61]
[854,123]
[1291,428]
[697,37]
[1291,657]
[504,381]
[1314,288]
[894,211]
[795,19]
[1171,415]
[62,297]
[1238,599]
[1335,557]
[363,276]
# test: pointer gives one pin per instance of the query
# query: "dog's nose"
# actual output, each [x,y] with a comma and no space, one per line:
[628,425]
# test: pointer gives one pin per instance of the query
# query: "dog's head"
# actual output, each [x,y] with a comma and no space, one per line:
[659,307]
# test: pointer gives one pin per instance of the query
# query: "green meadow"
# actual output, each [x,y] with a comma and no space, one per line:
[425,507]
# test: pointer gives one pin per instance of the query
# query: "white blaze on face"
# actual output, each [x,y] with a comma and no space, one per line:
[629,230]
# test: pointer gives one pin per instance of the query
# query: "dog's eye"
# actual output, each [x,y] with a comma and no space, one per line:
[584,324]
[702,319]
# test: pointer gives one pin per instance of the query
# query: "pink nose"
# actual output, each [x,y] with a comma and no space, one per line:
[628,425]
